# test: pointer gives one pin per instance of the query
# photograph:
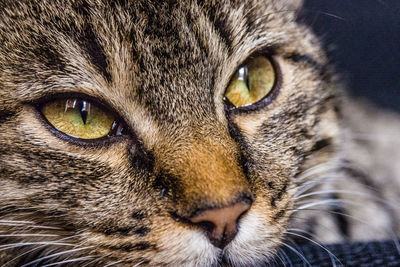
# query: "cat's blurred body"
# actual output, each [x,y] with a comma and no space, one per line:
[164,67]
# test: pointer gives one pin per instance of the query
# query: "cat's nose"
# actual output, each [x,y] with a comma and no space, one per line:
[220,224]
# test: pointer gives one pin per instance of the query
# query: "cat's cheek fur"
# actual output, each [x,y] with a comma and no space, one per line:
[293,4]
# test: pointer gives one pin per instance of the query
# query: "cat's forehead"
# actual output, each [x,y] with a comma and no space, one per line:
[173,58]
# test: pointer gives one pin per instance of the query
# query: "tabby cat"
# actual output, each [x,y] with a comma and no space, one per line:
[181,133]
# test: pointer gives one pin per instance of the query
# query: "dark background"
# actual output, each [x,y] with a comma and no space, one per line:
[363,40]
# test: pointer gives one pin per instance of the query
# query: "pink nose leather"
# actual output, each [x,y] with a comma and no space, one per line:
[221,224]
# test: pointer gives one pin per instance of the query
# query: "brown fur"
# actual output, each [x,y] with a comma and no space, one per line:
[163,67]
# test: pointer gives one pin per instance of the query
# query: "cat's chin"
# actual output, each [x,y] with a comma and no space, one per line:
[254,245]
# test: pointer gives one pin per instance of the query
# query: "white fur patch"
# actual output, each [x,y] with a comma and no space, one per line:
[252,245]
[183,247]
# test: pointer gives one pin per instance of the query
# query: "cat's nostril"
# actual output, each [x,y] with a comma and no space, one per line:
[220,224]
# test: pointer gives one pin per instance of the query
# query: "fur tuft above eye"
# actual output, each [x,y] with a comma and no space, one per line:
[80,118]
[253,81]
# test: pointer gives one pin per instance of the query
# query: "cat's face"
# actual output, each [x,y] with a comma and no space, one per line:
[163,68]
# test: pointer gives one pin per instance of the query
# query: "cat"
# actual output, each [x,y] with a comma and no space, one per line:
[181,133]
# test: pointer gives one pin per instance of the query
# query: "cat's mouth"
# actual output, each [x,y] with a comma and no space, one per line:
[181,244]
[224,260]
[256,241]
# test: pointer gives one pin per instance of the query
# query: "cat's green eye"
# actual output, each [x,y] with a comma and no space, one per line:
[81,119]
[252,82]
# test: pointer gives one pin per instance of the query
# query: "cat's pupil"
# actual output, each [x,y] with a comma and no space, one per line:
[85,109]
[83,106]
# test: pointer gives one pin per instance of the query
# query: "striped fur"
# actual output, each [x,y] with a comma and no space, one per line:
[163,67]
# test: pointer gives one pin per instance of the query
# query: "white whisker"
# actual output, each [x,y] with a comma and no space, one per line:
[286,256]
[55,255]
[98,259]
[23,244]
[315,171]
[298,254]
[42,227]
[279,257]
[29,235]
[138,264]
[324,192]
[36,248]
[383,229]
[321,180]
[319,245]
[69,261]
[16,222]
[113,263]
[309,204]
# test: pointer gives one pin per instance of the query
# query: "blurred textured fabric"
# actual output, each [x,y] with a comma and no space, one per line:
[357,254]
